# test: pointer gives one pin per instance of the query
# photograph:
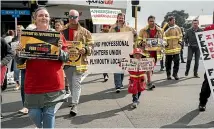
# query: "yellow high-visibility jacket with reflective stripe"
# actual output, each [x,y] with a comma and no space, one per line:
[145,34]
[173,37]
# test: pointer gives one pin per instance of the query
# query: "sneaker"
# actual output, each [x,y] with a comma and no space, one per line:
[17,87]
[23,111]
[201,108]
[169,78]
[186,73]
[176,77]
[134,105]
[118,90]
[196,75]
[122,87]
[2,116]
[67,90]
[162,69]
[183,62]
[73,111]
[70,105]
[105,78]
[150,86]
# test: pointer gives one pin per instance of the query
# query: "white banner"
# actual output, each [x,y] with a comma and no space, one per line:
[206,43]
[135,65]
[104,16]
[109,50]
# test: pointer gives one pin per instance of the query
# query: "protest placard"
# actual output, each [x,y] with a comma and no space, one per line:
[206,44]
[109,50]
[154,44]
[23,66]
[104,16]
[40,44]
[135,65]
[73,49]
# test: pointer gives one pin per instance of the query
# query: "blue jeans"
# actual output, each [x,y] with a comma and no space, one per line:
[118,80]
[22,85]
[136,97]
[43,117]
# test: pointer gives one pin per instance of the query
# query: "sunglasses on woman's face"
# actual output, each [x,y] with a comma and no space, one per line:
[72,17]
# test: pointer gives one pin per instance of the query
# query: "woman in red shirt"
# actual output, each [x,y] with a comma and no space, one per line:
[44,79]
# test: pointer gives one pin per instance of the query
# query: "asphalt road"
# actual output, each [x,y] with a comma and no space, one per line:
[172,104]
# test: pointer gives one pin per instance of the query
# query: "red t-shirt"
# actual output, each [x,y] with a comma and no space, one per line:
[153,33]
[44,76]
[71,34]
[153,53]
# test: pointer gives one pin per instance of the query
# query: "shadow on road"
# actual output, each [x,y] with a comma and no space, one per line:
[78,120]
[11,107]
[169,83]
[102,95]
[16,122]
[12,119]
[93,81]
[185,120]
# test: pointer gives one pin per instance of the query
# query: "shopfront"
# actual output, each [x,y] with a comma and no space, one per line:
[60,9]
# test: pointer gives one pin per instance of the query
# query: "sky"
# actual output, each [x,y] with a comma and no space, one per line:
[159,9]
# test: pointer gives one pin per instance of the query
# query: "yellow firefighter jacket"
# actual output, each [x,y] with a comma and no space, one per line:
[84,36]
[173,37]
[144,33]
[124,28]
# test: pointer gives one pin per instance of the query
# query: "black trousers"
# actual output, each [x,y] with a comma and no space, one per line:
[205,92]
[105,74]
[168,64]
[181,55]
[193,50]
[162,63]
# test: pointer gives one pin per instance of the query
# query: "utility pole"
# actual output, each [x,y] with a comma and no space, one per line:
[213,17]
[136,18]
[135,9]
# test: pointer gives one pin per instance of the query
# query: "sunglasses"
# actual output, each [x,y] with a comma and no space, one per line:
[72,17]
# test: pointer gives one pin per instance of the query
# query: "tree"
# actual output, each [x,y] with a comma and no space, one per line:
[180,18]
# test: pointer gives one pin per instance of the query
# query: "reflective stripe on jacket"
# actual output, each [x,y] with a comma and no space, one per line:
[173,37]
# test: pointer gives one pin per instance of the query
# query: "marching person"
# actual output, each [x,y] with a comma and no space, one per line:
[59,24]
[120,26]
[137,82]
[173,36]
[22,68]
[182,46]
[13,45]
[6,55]
[193,48]
[151,31]
[44,79]
[73,31]
[205,89]
[105,30]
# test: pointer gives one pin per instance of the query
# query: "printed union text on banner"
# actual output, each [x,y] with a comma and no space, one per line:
[104,16]
[109,50]
[73,48]
[206,44]
[135,65]
[40,44]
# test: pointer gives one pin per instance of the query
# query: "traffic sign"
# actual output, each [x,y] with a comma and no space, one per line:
[15,13]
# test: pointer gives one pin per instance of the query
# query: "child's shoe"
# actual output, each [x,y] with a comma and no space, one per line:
[134,105]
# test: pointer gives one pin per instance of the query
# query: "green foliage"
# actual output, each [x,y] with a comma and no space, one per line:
[180,18]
